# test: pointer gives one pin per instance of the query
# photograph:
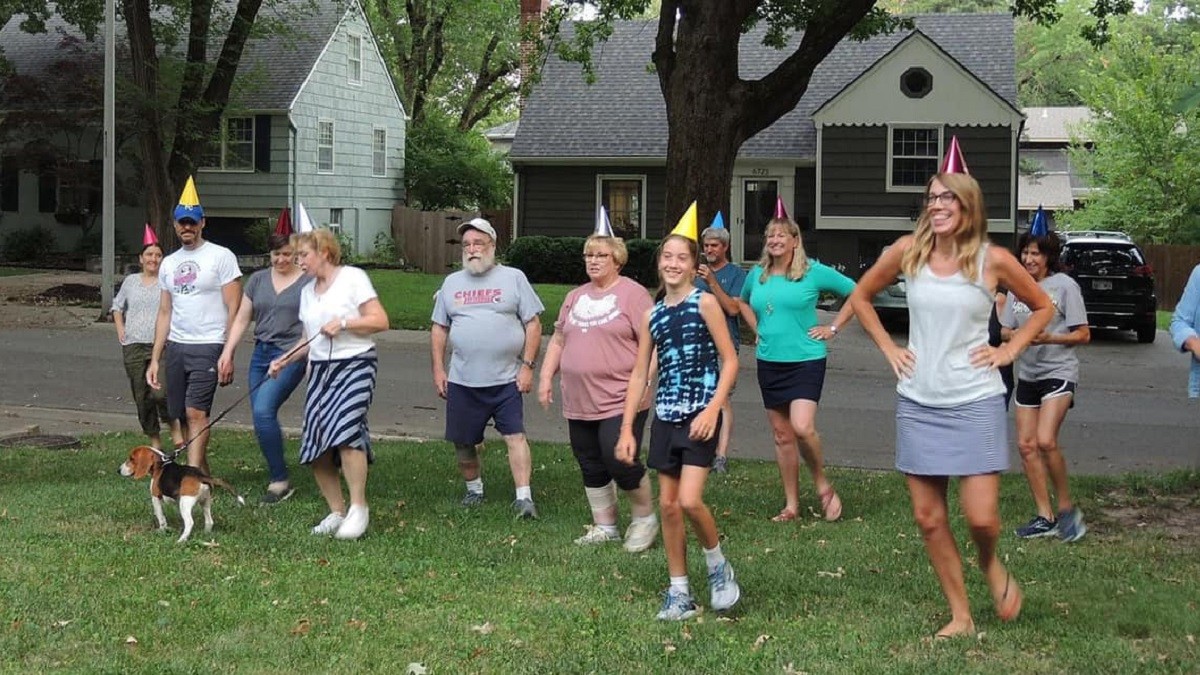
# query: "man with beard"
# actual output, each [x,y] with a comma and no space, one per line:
[489,315]
[201,293]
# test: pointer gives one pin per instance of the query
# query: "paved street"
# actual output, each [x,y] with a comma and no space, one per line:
[1131,413]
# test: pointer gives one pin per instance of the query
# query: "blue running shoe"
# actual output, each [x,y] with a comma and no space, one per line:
[1070,525]
[1038,527]
[724,588]
[676,606]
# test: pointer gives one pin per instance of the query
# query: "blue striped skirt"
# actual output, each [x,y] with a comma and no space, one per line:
[965,440]
[335,406]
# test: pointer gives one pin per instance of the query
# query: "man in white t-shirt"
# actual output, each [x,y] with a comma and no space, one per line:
[201,292]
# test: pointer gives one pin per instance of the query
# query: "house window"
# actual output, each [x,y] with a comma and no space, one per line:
[379,152]
[355,63]
[624,198]
[234,149]
[10,184]
[913,156]
[916,83]
[335,220]
[325,146]
[78,186]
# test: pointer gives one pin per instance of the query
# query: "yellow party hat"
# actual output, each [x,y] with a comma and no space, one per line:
[189,204]
[189,196]
[686,227]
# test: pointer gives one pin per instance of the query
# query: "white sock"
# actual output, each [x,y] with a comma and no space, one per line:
[714,557]
[525,493]
[680,585]
[608,529]
[475,486]
[644,520]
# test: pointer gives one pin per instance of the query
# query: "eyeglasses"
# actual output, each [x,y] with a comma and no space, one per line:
[596,256]
[945,198]
[475,244]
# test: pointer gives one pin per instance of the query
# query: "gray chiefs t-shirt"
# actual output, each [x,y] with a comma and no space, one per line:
[486,315]
[1049,362]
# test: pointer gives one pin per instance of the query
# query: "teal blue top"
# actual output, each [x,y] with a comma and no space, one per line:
[786,310]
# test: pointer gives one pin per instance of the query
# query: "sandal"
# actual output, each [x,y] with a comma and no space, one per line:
[946,633]
[831,504]
[785,516]
[1009,606]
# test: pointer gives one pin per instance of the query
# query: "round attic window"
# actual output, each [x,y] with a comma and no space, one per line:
[916,82]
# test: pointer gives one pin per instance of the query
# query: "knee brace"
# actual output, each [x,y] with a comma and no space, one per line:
[602,499]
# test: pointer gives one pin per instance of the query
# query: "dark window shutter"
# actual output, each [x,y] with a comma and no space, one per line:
[10,185]
[262,143]
[48,190]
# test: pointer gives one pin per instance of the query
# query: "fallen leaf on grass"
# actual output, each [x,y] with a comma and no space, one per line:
[63,623]
[1191,639]
[485,628]
[669,647]
[163,603]
[760,641]
[687,632]
[301,628]
[832,575]
[415,668]
[356,623]
[131,640]
[789,669]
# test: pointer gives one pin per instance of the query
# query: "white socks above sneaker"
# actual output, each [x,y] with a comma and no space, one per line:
[475,486]
[714,557]
[680,585]
[525,493]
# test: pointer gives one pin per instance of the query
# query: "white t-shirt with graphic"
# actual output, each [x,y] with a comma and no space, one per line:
[341,300]
[194,278]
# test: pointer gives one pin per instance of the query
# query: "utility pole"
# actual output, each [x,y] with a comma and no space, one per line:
[109,202]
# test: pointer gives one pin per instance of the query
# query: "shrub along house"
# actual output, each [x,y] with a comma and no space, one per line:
[850,161]
[314,118]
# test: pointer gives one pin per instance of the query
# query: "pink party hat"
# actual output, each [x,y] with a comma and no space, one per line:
[781,210]
[953,162]
[148,236]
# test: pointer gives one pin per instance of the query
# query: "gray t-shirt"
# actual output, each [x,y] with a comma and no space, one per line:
[1049,362]
[139,304]
[486,315]
[276,316]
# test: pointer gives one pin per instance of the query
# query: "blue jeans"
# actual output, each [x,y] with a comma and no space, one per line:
[266,401]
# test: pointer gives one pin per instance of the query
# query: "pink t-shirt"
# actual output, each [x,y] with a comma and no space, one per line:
[600,346]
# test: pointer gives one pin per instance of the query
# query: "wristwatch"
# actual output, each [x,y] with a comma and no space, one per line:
[343,324]
[532,365]
[833,328]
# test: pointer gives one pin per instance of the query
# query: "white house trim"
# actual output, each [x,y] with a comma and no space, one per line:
[601,177]
[937,126]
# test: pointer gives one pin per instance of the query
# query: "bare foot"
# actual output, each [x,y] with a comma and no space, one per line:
[955,629]
[785,516]
[1008,605]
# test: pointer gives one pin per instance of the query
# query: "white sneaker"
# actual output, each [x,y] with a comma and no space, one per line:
[330,525]
[641,536]
[724,587]
[596,535]
[355,523]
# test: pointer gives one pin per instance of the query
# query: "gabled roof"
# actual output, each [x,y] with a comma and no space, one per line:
[278,64]
[623,114]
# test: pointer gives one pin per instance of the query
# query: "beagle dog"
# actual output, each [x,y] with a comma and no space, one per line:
[176,482]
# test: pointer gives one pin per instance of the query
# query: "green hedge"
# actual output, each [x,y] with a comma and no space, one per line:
[559,260]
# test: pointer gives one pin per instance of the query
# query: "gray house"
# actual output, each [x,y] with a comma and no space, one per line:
[315,118]
[1049,178]
[850,161]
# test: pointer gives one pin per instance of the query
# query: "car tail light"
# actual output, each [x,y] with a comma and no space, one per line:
[1143,271]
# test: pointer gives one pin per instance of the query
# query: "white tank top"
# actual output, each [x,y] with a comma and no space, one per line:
[948,317]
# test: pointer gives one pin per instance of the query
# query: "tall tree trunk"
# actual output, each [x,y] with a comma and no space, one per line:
[151,141]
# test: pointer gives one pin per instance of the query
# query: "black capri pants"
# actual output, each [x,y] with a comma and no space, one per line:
[594,443]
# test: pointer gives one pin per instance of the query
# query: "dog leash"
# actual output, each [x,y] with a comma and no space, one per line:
[167,459]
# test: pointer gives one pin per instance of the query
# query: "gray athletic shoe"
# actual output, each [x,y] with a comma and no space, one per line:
[720,464]
[676,606]
[472,499]
[724,588]
[1070,525]
[525,509]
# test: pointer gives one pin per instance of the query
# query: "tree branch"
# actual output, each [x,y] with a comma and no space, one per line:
[664,43]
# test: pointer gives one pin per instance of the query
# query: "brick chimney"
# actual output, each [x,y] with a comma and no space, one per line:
[531,19]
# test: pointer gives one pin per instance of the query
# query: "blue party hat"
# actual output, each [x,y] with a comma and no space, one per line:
[718,222]
[1038,226]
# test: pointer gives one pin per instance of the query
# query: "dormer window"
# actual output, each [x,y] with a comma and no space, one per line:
[916,82]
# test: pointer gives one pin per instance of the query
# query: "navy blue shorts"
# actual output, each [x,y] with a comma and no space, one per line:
[784,382]
[191,377]
[468,410]
[671,448]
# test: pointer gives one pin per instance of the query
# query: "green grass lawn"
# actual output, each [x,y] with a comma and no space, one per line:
[86,585]
[1164,319]
[408,298]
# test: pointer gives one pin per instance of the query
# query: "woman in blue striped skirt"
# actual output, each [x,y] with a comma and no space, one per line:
[950,417]
[340,311]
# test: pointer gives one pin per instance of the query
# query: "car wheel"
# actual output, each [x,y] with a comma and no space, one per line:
[1145,334]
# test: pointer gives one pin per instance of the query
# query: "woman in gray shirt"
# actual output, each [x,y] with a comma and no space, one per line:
[272,299]
[134,311]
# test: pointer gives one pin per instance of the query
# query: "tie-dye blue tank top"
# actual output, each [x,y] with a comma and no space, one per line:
[687,359]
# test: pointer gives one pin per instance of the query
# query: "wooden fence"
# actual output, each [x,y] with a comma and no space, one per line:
[429,240]
[1172,265]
